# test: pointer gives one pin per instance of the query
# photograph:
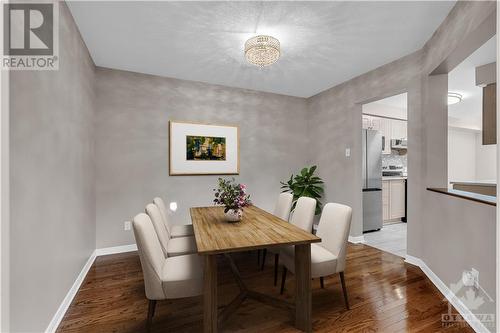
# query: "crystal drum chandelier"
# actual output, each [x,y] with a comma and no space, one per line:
[262,50]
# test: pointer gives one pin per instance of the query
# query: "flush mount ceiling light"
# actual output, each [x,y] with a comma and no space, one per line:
[454,98]
[262,50]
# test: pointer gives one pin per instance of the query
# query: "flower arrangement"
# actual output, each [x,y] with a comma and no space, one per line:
[232,196]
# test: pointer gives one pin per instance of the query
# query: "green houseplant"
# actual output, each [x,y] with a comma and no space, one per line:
[305,184]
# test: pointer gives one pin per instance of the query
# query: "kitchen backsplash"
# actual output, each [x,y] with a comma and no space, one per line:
[394,159]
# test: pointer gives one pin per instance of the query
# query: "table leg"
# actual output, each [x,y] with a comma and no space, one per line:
[210,295]
[303,287]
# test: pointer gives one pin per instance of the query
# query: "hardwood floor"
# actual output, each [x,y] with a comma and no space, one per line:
[385,294]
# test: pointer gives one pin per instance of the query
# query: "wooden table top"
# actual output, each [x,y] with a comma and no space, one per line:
[258,229]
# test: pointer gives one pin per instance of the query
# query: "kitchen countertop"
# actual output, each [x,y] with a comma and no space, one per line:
[474,183]
[487,199]
[394,177]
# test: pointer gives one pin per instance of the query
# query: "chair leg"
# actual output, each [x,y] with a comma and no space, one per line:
[342,281]
[151,312]
[322,282]
[283,278]
[276,262]
[264,252]
[258,257]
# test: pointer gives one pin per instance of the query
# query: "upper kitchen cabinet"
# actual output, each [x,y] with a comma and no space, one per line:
[385,130]
[371,123]
[486,78]
[389,128]
[490,114]
[398,129]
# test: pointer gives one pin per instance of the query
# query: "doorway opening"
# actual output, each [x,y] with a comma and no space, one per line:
[385,173]
[472,135]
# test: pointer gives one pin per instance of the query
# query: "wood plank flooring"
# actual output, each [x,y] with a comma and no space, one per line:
[385,294]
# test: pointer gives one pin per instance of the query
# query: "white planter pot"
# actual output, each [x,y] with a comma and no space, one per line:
[234,215]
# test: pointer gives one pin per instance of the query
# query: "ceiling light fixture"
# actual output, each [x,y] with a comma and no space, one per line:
[262,50]
[454,98]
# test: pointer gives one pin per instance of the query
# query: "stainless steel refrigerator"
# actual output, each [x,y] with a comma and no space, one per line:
[372,180]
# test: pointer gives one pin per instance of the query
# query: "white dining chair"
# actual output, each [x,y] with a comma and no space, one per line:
[302,217]
[327,257]
[283,206]
[170,246]
[281,210]
[165,278]
[175,230]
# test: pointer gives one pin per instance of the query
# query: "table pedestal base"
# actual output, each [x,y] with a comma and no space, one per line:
[302,315]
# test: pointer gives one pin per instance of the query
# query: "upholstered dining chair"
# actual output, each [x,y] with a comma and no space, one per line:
[329,256]
[302,217]
[170,246]
[283,206]
[175,231]
[281,210]
[165,278]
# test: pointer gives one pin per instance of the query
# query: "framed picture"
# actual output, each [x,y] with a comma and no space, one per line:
[203,149]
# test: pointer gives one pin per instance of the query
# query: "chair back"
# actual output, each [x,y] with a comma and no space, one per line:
[333,228]
[303,214]
[163,210]
[151,256]
[283,206]
[161,229]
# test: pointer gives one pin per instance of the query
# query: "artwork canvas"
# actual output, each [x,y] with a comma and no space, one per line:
[203,149]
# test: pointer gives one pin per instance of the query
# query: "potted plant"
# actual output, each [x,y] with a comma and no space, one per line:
[233,197]
[305,184]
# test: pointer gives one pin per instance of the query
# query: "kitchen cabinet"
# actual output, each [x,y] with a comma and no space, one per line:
[389,128]
[367,122]
[393,199]
[490,114]
[385,200]
[385,130]
[398,129]
[371,123]
[397,199]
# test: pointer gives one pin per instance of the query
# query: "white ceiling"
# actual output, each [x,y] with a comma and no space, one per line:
[323,43]
[462,80]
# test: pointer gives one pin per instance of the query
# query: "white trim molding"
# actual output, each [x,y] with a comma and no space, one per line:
[61,311]
[471,319]
[357,239]
[115,249]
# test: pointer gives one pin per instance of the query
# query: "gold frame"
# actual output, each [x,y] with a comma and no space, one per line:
[170,122]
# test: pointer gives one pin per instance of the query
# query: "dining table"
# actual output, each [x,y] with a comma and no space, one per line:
[257,229]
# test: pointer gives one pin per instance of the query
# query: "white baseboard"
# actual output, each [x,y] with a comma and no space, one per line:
[115,249]
[471,319]
[357,239]
[61,311]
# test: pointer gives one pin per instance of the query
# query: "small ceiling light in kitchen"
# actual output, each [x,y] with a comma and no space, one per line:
[262,50]
[454,98]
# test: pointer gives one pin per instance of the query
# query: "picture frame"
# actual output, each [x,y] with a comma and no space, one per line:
[203,149]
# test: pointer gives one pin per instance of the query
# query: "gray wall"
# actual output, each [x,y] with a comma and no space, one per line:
[52,180]
[443,231]
[335,124]
[133,111]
